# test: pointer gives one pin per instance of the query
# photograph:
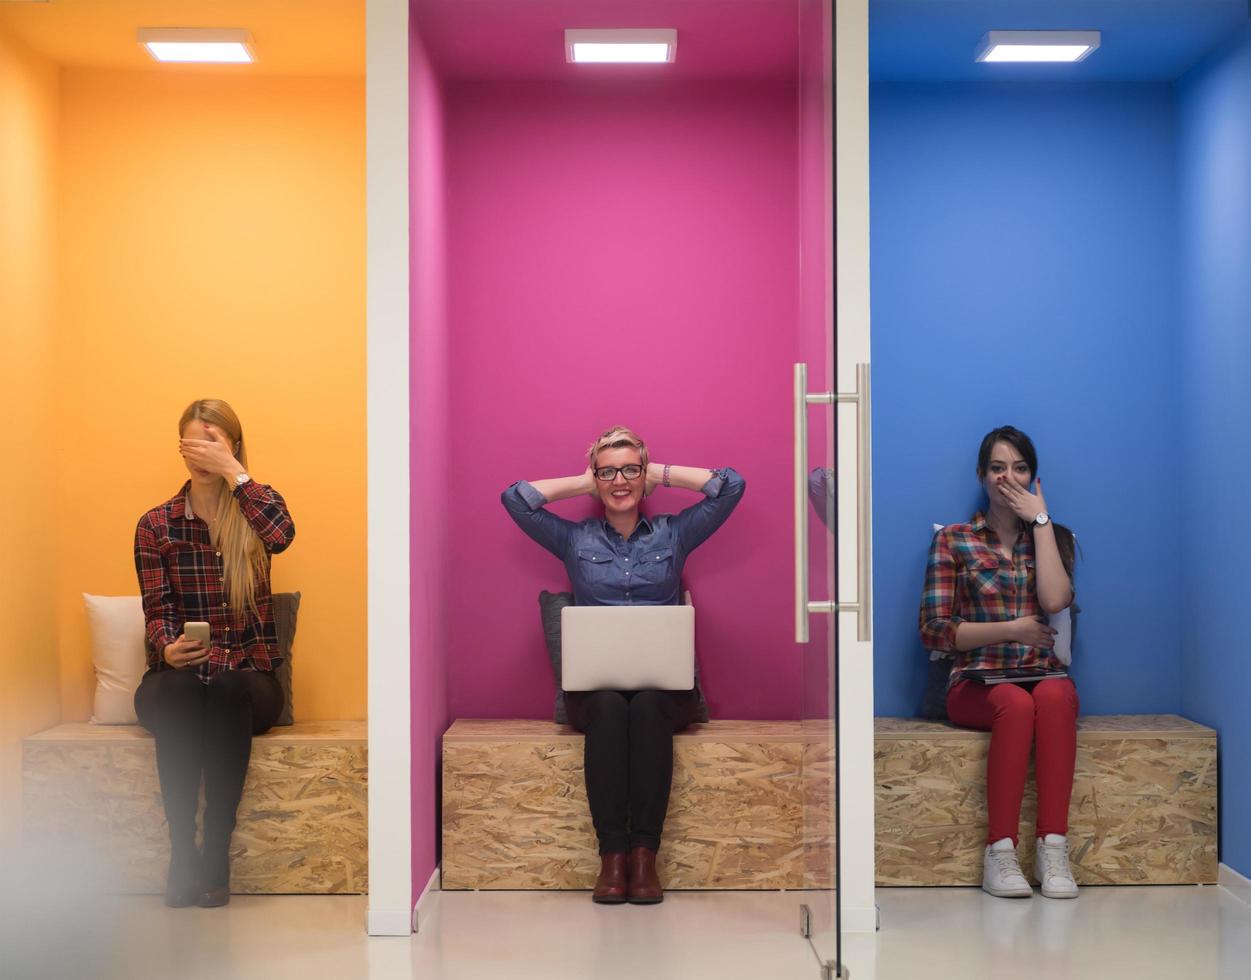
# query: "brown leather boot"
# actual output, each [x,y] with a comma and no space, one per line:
[644,885]
[610,886]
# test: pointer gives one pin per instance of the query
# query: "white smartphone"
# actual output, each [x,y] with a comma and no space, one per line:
[198,632]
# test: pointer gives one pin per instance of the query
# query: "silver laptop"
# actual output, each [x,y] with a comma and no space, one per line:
[627,648]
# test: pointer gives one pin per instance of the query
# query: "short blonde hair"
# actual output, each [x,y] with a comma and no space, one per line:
[618,437]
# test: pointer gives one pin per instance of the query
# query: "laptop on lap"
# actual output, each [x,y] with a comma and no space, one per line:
[627,648]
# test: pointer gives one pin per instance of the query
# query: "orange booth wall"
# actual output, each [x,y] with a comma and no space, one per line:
[166,236]
[29,685]
[212,244]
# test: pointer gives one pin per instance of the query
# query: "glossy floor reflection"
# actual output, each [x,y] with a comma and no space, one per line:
[1190,932]
[1139,933]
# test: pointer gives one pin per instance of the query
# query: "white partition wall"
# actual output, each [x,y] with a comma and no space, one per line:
[390,744]
[855,662]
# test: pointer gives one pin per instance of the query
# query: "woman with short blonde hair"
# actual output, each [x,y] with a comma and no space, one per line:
[626,558]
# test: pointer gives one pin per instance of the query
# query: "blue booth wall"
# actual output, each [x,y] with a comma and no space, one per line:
[1215,533]
[1025,272]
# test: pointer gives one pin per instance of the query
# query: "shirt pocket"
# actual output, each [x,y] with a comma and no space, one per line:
[593,564]
[983,572]
[655,566]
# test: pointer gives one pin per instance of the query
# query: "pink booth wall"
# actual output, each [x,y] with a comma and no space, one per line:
[594,248]
[621,252]
[428,371]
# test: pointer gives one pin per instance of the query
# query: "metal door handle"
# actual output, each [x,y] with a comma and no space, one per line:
[863,606]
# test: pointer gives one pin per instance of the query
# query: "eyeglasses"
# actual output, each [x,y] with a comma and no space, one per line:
[607,474]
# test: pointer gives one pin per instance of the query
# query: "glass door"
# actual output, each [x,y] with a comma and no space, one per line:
[816,491]
[832,498]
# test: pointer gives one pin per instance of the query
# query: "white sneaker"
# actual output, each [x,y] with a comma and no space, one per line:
[1001,872]
[1051,867]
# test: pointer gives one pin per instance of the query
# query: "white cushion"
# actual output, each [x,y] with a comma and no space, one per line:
[117,653]
[1061,622]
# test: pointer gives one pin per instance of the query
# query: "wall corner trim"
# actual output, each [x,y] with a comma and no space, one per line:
[1234,882]
[428,900]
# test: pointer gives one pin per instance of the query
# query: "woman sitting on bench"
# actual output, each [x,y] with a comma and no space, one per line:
[203,557]
[987,585]
[628,763]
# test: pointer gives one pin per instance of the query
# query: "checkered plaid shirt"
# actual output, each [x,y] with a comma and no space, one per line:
[180,576]
[968,580]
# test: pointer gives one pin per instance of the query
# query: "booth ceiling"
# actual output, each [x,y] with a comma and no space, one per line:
[524,39]
[1143,40]
[323,38]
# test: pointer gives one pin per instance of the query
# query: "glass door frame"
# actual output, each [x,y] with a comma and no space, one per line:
[833,427]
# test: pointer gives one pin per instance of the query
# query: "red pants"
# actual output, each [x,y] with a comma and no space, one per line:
[1015,716]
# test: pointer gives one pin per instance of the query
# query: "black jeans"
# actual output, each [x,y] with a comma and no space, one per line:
[628,761]
[205,728]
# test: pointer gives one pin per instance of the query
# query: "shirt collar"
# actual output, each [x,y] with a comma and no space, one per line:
[180,506]
[1024,542]
[643,523]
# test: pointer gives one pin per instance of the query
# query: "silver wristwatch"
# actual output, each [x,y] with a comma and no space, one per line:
[1042,519]
[241,479]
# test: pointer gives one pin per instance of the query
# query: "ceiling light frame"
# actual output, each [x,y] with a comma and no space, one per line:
[174,36]
[1039,40]
[627,37]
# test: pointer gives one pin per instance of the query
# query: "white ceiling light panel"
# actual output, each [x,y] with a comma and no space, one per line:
[1000,47]
[198,45]
[618,47]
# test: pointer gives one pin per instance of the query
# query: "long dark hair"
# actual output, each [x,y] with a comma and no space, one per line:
[1018,440]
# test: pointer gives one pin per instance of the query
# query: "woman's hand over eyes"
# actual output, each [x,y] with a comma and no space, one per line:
[184,653]
[212,454]
[1033,631]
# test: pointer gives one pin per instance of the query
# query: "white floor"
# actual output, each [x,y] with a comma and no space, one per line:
[1142,933]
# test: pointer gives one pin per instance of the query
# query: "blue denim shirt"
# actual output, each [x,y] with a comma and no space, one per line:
[609,570]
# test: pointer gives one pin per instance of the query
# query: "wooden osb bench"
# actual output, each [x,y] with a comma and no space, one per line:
[515,813]
[749,807]
[1143,810]
[301,824]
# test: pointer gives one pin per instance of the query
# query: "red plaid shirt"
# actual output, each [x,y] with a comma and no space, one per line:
[968,580]
[180,576]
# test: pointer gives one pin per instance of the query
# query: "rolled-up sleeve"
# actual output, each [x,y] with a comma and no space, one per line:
[721,493]
[266,513]
[938,620]
[525,506]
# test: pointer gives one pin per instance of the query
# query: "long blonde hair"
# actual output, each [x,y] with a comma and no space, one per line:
[244,561]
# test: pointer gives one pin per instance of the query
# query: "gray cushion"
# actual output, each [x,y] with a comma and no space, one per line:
[550,605]
[934,701]
[286,608]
